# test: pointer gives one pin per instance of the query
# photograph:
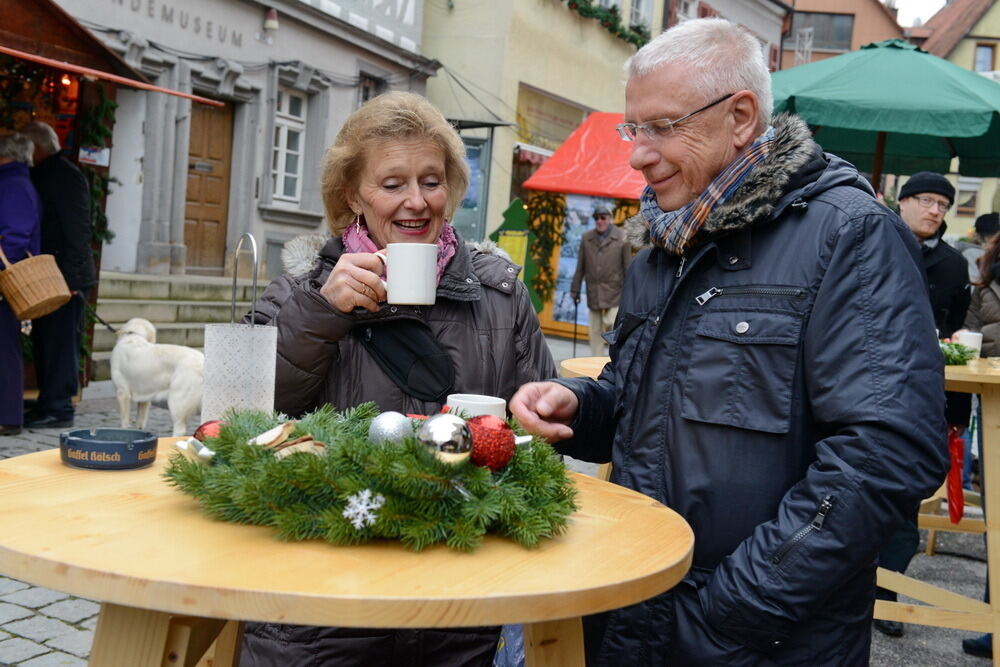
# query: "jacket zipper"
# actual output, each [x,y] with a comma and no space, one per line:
[713,292]
[680,266]
[815,525]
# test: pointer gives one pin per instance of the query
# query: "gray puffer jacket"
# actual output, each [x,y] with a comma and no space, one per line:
[484,319]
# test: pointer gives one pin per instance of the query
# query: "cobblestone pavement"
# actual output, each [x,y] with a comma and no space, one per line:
[45,628]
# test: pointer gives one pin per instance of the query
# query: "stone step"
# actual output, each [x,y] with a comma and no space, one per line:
[157,312]
[191,334]
[114,285]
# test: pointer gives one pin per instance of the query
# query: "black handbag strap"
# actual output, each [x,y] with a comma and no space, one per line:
[407,351]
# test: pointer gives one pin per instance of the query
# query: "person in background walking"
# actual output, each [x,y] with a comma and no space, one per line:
[923,202]
[604,257]
[986,226]
[20,213]
[984,316]
[66,234]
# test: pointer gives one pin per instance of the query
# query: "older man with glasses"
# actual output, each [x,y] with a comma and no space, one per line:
[601,263]
[774,374]
[924,200]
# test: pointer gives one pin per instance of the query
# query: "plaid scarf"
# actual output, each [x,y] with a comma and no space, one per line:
[674,231]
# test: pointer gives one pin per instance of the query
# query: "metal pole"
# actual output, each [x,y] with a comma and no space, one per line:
[576,310]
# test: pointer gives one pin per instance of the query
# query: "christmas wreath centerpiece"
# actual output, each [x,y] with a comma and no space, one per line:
[956,354]
[353,476]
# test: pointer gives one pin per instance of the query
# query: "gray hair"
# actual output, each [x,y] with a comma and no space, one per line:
[17,147]
[723,58]
[43,136]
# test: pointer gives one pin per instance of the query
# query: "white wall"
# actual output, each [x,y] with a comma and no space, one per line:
[124,209]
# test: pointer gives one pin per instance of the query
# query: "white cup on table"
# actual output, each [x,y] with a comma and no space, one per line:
[473,405]
[411,273]
[970,339]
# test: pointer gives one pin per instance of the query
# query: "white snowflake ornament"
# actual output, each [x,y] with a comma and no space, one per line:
[362,508]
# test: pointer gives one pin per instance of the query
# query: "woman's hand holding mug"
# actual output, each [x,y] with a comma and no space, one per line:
[356,282]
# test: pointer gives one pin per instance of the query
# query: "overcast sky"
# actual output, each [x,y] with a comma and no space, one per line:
[913,9]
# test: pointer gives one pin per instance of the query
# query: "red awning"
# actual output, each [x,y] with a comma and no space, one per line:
[592,161]
[98,74]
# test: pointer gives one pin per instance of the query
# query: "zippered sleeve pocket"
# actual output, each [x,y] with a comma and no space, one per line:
[805,531]
[742,368]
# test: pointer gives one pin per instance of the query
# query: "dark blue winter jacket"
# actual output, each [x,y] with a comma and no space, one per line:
[781,388]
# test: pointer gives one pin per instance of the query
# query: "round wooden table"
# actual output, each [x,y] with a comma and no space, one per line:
[167,574]
[589,367]
[942,607]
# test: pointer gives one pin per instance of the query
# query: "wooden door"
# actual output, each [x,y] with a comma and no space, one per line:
[207,205]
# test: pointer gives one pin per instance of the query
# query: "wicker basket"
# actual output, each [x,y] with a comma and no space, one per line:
[33,286]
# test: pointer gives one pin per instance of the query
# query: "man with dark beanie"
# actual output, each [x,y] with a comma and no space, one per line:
[923,202]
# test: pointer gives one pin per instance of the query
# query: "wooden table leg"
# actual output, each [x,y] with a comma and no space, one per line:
[225,652]
[554,643]
[129,636]
[991,501]
[143,638]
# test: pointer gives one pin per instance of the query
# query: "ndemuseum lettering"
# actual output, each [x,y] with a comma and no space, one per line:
[183,19]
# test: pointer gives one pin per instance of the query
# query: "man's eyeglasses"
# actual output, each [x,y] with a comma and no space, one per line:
[662,127]
[930,202]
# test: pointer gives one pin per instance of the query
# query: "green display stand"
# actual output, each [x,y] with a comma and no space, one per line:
[515,238]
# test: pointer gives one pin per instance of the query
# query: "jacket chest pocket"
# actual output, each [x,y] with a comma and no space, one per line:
[625,338]
[742,368]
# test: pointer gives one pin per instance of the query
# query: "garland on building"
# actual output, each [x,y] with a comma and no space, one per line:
[95,126]
[546,214]
[611,19]
[351,490]
[625,209]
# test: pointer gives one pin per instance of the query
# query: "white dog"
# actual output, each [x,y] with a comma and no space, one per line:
[145,372]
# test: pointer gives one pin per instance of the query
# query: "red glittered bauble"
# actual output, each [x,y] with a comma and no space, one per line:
[492,442]
[209,429]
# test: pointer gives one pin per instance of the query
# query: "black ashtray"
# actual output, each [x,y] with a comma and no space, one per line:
[107,448]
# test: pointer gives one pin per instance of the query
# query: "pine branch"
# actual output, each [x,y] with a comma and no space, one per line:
[423,501]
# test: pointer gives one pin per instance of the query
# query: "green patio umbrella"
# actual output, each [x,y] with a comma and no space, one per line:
[892,107]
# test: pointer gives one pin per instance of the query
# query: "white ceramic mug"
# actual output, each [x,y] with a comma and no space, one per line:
[971,340]
[411,273]
[473,405]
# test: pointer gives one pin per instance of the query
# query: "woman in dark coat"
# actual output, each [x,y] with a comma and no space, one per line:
[20,213]
[395,173]
[984,308]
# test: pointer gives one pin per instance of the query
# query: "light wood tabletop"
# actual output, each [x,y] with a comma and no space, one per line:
[941,607]
[589,367]
[164,570]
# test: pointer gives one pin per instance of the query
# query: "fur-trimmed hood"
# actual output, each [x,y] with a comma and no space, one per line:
[795,168]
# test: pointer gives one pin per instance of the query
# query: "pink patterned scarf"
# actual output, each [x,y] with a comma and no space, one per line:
[357,239]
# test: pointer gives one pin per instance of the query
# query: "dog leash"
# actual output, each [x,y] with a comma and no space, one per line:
[93,313]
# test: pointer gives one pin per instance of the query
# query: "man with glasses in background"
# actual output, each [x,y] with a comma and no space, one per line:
[923,202]
[774,375]
[602,261]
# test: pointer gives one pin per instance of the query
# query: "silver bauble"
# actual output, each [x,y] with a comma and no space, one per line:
[448,435]
[390,427]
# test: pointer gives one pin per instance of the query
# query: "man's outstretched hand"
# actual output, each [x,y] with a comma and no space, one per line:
[545,409]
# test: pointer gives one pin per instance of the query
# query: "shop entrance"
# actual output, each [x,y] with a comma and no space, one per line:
[207,206]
